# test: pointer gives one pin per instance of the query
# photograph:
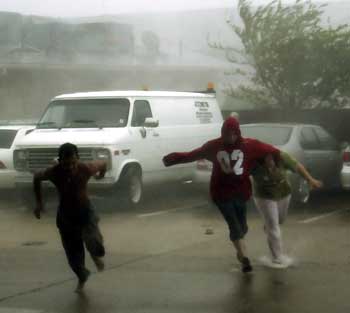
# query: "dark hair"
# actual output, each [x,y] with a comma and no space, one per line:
[276,159]
[67,150]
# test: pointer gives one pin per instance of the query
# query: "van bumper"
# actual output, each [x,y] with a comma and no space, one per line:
[26,182]
[7,179]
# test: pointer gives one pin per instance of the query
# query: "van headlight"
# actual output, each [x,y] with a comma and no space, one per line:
[20,160]
[103,155]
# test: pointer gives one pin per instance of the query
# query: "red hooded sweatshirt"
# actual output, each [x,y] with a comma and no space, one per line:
[231,162]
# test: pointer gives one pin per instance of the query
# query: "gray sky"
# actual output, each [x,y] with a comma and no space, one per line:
[97,7]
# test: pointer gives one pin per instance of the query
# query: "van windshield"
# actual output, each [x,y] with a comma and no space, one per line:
[83,113]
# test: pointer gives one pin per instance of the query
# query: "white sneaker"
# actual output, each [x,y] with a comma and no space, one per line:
[282,262]
[277,261]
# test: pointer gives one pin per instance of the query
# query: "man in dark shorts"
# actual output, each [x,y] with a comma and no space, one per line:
[76,221]
[232,156]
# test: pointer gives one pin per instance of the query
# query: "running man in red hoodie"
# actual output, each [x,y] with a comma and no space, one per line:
[233,157]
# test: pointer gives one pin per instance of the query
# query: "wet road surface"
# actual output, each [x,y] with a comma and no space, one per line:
[173,255]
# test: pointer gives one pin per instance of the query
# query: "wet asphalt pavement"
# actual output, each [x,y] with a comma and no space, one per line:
[172,254]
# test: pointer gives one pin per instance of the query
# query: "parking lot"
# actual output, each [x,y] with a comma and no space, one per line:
[172,254]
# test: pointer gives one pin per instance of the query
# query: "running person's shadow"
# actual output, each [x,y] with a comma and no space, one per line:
[243,293]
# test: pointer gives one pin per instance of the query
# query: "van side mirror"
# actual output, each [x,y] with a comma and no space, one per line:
[151,122]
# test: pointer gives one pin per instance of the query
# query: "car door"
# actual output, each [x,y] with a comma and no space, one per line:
[314,158]
[332,157]
[147,147]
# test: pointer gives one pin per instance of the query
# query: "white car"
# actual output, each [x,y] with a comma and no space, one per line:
[345,172]
[9,135]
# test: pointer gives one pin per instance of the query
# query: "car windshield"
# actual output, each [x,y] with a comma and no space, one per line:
[82,113]
[6,138]
[274,135]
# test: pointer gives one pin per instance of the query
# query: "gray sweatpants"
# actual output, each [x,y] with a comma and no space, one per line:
[274,213]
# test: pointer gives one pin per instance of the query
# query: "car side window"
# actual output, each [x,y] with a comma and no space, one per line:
[308,139]
[142,110]
[327,142]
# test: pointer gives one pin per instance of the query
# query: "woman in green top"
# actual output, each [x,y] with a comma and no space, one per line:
[272,193]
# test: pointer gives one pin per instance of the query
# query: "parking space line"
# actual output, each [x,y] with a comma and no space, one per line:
[319,217]
[157,213]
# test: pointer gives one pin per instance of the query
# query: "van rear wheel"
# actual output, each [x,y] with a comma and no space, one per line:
[131,187]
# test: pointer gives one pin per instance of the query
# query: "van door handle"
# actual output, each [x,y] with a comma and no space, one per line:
[155,134]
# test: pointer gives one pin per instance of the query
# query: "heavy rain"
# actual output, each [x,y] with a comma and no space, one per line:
[174,156]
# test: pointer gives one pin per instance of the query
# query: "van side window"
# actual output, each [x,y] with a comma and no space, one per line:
[142,110]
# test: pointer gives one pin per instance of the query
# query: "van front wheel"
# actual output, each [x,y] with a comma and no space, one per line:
[131,187]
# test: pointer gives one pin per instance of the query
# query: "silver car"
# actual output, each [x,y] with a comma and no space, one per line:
[311,145]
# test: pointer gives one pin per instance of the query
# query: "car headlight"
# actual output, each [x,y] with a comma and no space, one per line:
[20,160]
[103,155]
[20,154]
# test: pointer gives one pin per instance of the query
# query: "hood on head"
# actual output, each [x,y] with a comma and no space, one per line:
[230,124]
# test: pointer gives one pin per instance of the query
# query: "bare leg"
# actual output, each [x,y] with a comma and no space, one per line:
[240,248]
[241,255]
[234,212]
[81,283]
[74,247]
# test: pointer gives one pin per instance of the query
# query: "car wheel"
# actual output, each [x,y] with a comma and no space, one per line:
[131,187]
[303,191]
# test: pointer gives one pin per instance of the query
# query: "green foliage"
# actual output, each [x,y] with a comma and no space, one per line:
[297,62]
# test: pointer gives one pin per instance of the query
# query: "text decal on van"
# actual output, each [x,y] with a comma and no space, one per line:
[202,112]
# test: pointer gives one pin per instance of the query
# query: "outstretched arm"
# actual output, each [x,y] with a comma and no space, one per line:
[97,169]
[295,166]
[313,183]
[185,157]
[38,178]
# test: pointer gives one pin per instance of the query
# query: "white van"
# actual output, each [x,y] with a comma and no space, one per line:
[131,130]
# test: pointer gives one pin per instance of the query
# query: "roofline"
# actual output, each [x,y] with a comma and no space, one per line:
[278,124]
[132,93]
[16,127]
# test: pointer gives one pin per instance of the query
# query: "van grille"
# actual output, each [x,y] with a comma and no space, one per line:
[41,158]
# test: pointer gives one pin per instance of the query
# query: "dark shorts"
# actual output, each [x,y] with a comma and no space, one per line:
[78,229]
[72,217]
[235,214]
